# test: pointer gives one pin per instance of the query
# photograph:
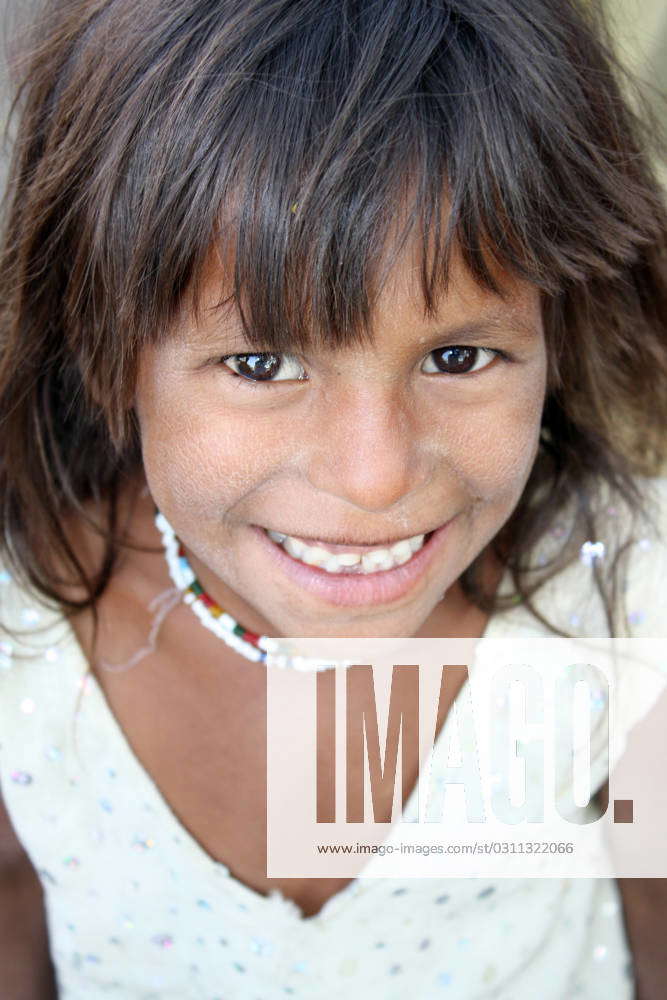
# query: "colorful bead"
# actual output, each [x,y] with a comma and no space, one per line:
[163,940]
[591,552]
[249,644]
[21,777]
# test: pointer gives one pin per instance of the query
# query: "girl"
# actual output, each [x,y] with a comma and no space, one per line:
[346,319]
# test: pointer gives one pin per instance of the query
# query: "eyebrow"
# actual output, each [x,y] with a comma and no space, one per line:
[229,338]
[494,323]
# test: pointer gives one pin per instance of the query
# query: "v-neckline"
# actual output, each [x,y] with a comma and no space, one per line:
[247,897]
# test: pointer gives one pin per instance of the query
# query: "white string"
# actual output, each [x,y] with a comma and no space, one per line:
[162,604]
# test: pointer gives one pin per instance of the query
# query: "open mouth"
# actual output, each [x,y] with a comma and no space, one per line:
[348,577]
[361,561]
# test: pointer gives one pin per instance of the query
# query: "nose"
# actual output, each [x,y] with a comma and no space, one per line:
[365,448]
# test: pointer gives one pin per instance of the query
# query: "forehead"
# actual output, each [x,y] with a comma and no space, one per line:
[398,305]
[462,301]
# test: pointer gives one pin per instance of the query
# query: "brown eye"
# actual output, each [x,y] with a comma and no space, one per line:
[263,367]
[461,360]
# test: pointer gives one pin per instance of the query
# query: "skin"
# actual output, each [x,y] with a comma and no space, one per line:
[369,445]
[221,454]
[218,459]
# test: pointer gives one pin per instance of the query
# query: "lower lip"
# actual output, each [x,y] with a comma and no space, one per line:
[353,589]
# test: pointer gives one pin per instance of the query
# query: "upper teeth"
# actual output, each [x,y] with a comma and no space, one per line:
[349,562]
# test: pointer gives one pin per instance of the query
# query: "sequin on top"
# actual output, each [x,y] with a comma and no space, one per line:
[138,910]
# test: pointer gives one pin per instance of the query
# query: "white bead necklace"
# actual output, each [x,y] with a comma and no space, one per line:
[259,648]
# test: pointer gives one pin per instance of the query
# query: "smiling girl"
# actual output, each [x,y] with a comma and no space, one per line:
[336,319]
[353,450]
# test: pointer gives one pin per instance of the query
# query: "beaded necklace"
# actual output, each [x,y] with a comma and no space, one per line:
[259,648]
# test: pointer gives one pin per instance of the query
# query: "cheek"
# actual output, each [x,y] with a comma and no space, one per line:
[200,464]
[492,448]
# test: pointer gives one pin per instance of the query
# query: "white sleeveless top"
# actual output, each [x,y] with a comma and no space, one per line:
[138,910]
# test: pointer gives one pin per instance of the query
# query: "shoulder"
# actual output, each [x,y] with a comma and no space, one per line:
[644,578]
[625,551]
[29,625]
[654,493]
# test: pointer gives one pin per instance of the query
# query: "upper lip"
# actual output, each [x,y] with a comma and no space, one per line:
[351,543]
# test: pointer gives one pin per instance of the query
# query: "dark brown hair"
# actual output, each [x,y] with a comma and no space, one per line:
[289,131]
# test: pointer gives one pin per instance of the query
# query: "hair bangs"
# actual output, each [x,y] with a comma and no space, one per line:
[469,139]
[310,144]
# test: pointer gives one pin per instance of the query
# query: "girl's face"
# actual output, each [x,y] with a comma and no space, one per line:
[435,426]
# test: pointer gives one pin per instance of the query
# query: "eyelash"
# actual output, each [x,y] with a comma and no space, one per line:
[247,383]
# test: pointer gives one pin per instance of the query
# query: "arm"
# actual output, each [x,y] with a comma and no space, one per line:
[645,917]
[645,909]
[26,972]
